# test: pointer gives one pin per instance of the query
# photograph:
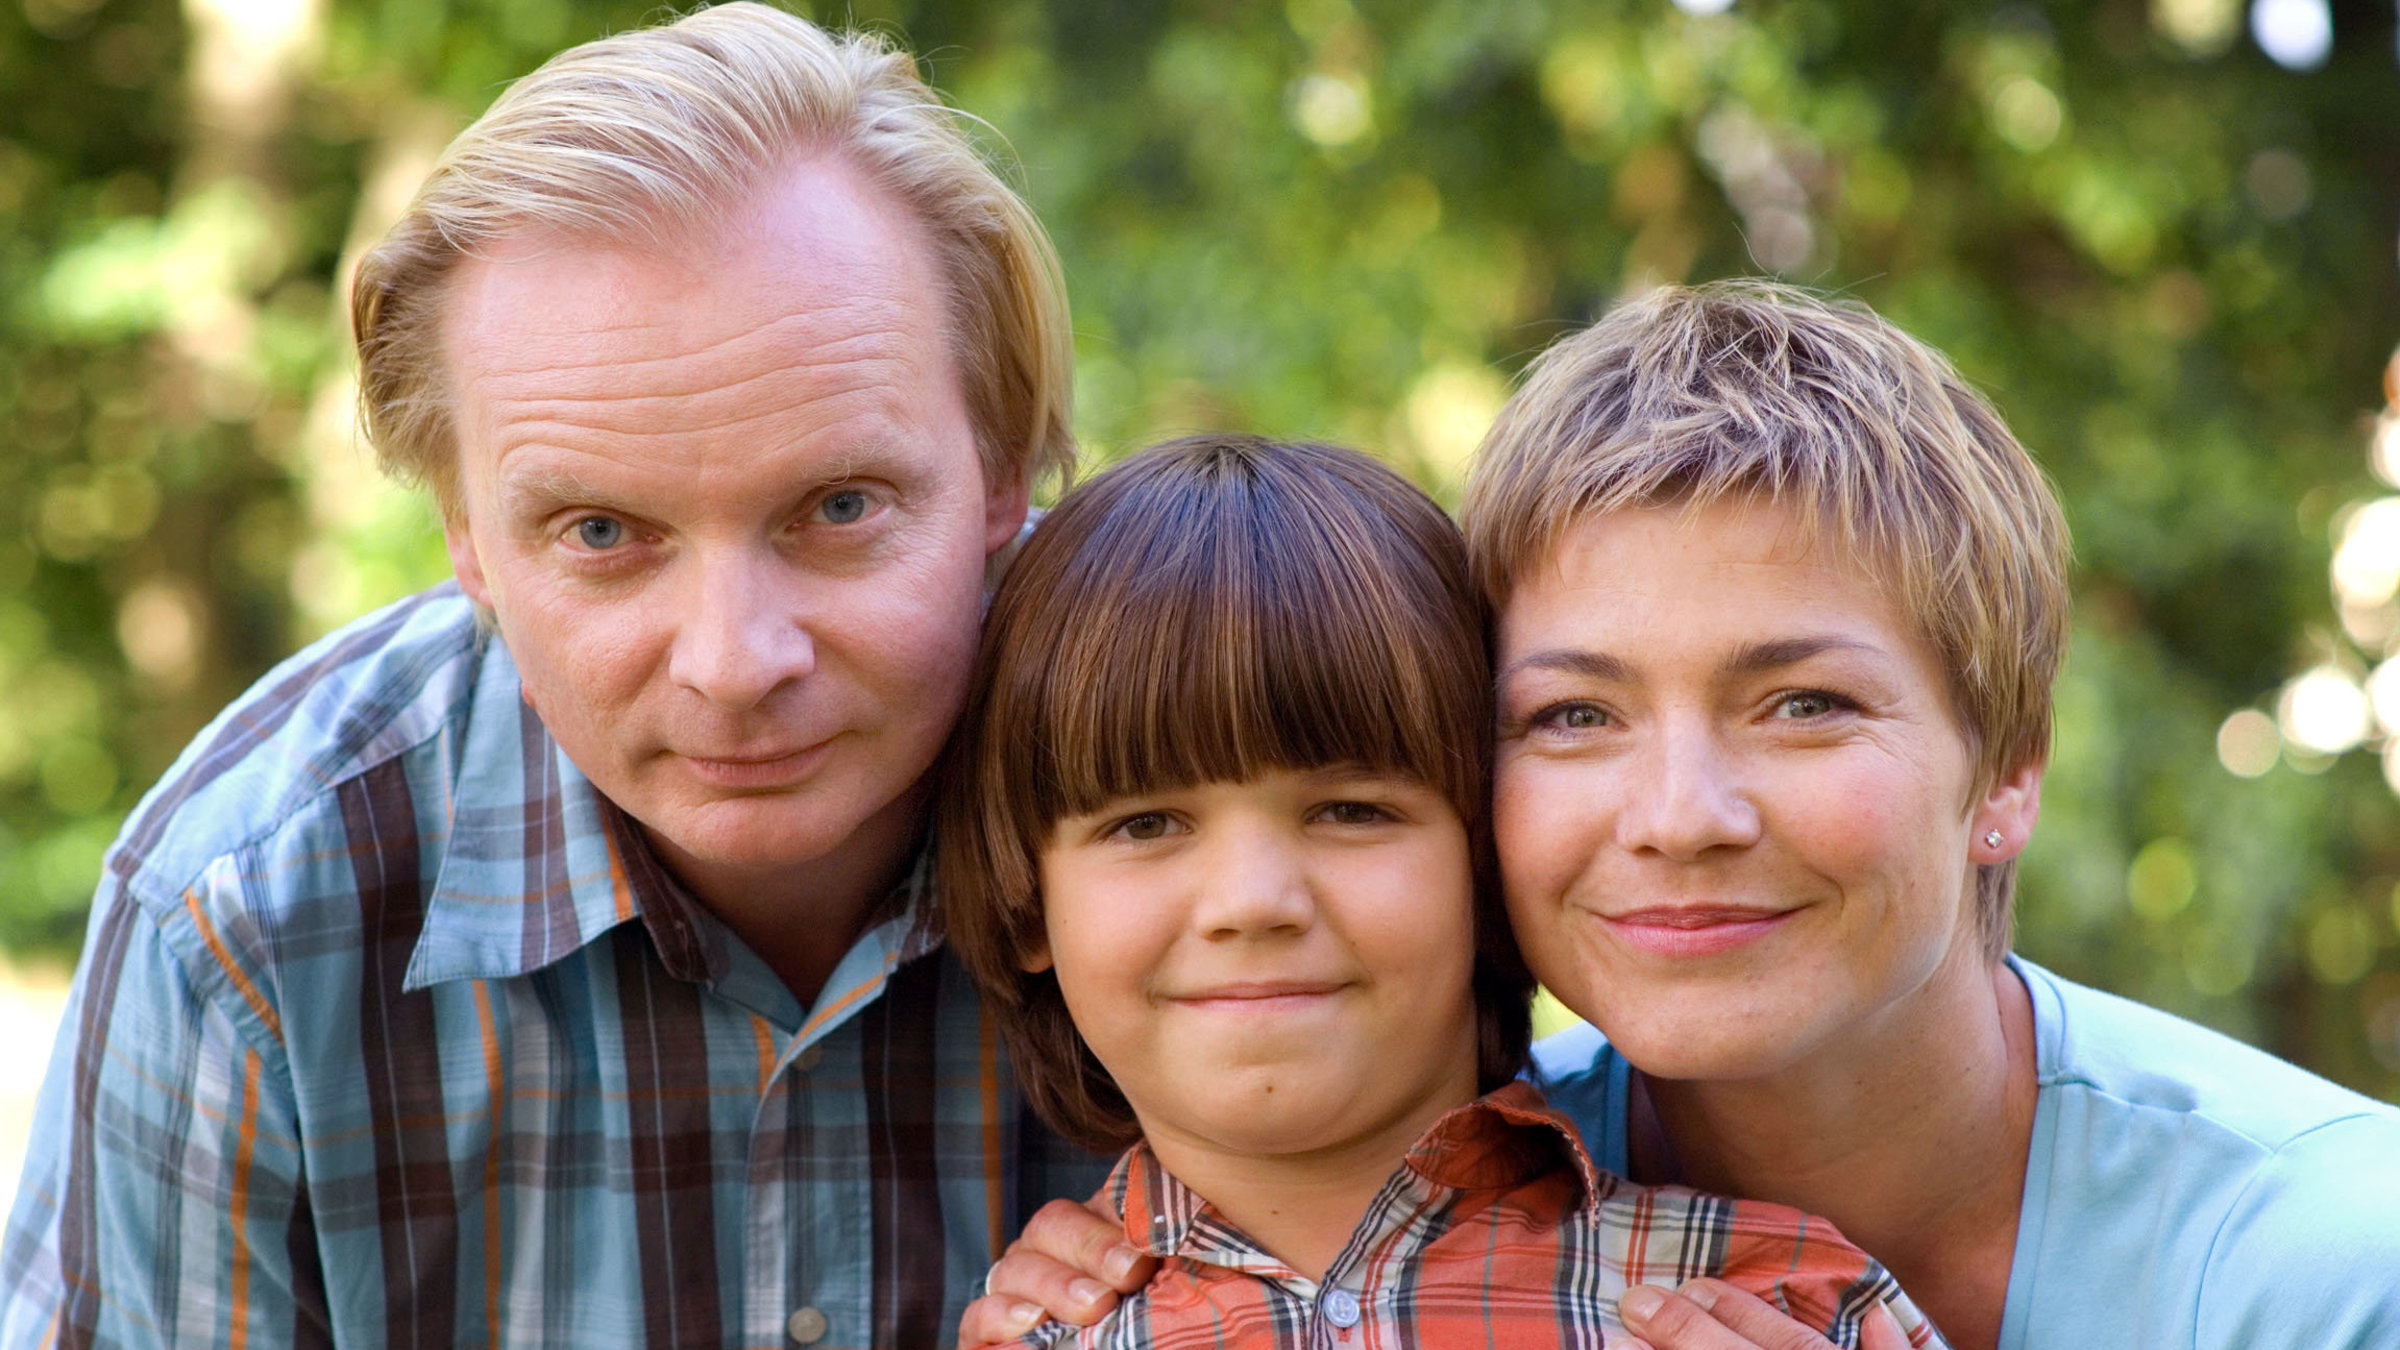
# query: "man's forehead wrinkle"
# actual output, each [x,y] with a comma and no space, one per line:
[783,341]
[816,384]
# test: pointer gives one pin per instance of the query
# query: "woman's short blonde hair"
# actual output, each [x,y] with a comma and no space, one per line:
[1749,389]
[641,137]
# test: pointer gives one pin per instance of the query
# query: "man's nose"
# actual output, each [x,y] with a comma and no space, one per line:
[1252,882]
[1686,795]
[743,631]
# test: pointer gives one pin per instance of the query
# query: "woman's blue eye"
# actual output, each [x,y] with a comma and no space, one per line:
[844,507]
[600,532]
[1575,717]
[1804,706]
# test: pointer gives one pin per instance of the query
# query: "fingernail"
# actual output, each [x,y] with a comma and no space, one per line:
[1087,1291]
[1641,1303]
[1023,1316]
[1700,1292]
[1119,1262]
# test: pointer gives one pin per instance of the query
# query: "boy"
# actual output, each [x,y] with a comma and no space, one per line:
[1215,841]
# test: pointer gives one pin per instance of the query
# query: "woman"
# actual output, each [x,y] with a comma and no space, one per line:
[1780,604]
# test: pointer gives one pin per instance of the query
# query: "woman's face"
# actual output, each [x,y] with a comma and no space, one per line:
[1736,813]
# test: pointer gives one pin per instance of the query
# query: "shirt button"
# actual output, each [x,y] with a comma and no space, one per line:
[806,1061]
[806,1326]
[1341,1308]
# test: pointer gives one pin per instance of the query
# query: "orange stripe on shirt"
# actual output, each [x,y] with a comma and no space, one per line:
[216,947]
[764,1035]
[494,1083]
[617,885]
[238,1334]
[839,1005]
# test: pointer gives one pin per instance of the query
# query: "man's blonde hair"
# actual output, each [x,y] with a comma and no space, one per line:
[1752,390]
[637,138]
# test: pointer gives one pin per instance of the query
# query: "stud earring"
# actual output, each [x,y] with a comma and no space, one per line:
[1993,838]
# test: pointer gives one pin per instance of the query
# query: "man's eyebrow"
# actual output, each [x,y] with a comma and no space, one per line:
[1570,661]
[1776,653]
[542,488]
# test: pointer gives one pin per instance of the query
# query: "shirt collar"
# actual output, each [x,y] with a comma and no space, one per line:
[537,864]
[1498,1142]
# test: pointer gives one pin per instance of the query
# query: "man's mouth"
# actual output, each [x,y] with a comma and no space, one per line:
[754,769]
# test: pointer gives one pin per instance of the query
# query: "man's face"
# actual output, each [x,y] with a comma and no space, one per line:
[726,504]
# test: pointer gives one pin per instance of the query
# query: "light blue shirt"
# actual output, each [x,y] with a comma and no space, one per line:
[2182,1189]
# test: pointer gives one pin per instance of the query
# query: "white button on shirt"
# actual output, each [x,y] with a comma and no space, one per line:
[1341,1308]
[807,1326]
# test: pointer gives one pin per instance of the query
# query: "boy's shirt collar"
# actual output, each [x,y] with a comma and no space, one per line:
[1498,1142]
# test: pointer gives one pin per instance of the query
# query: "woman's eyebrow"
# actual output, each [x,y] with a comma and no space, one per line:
[1776,653]
[1570,661]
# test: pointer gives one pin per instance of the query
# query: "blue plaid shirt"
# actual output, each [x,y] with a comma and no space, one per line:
[390,1029]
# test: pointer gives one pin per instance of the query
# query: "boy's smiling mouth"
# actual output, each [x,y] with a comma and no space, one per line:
[1258,995]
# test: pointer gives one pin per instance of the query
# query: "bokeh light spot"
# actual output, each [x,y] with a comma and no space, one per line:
[2296,34]
[2248,743]
[78,776]
[2341,947]
[2026,114]
[2162,879]
[1331,110]
[2200,27]
[2323,712]
[2279,183]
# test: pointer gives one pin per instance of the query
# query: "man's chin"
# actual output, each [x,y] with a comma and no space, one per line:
[760,831]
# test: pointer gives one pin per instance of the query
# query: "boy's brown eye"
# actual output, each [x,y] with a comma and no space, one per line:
[1148,825]
[1353,813]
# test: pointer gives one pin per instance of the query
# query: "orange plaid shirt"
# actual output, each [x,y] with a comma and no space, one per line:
[1496,1230]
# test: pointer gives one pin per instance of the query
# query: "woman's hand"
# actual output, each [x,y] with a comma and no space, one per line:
[1070,1263]
[1713,1315]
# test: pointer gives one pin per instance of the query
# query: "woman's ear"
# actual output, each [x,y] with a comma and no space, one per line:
[1035,958]
[2003,818]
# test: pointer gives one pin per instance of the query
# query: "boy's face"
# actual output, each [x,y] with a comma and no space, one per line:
[1272,967]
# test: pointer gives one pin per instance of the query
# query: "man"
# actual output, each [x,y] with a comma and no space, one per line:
[541,960]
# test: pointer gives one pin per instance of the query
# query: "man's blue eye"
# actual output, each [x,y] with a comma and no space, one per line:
[600,532]
[842,508]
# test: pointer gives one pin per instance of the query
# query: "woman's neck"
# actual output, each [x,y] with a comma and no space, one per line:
[1911,1137]
[1302,1208]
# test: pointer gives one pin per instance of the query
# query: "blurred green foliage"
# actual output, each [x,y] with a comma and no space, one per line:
[2170,261]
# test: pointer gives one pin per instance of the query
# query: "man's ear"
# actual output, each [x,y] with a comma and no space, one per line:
[2007,810]
[464,561]
[1004,512]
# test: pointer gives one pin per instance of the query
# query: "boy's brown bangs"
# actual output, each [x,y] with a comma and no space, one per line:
[1265,623]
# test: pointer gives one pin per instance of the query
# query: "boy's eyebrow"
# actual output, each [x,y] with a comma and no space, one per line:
[1570,661]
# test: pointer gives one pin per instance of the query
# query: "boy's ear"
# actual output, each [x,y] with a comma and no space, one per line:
[1035,958]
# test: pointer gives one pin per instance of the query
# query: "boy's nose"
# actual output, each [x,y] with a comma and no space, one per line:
[1253,882]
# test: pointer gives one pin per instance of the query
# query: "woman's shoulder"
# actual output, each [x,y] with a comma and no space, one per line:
[2115,1056]
[2209,1193]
